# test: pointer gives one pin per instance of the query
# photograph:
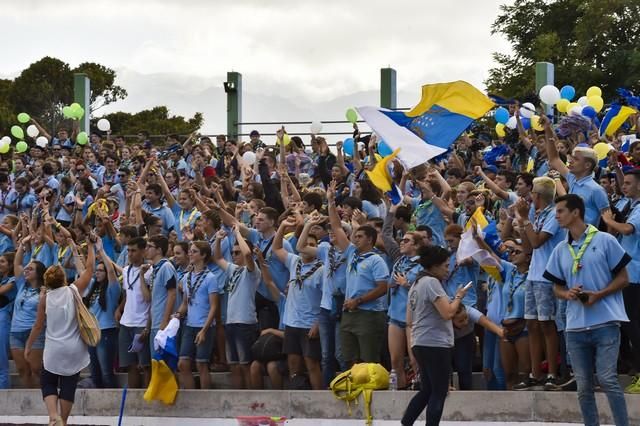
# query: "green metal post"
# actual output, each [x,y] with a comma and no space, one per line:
[544,76]
[388,88]
[233,88]
[82,95]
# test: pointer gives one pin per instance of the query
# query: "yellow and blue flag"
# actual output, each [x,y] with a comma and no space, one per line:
[428,130]
[614,118]
[163,385]
[469,247]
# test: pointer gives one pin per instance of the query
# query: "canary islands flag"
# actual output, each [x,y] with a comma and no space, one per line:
[614,118]
[469,247]
[163,385]
[429,129]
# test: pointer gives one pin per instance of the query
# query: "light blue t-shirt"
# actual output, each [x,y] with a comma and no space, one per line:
[6,243]
[303,297]
[105,317]
[69,199]
[334,273]
[240,290]
[631,244]
[25,306]
[398,306]
[183,218]
[44,253]
[546,222]
[279,271]
[513,291]
[24,202]
[594,196]
[428,214]
[164,277]
[494,301]
[459,276]
[374,210]
[164,213]
[602,260]
[364,272]
[63,257]
[200,285]
[9,296]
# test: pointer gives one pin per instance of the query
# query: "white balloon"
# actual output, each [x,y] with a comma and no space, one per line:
[527,110]
[4,142]
[512,123]
[249,157]
[549,94]
[42,141]
[32,131]
[5,139]
[576,110]
[316,127]
[104,125]
[583,101]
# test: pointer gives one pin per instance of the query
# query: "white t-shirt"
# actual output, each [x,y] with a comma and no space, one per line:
[136,309]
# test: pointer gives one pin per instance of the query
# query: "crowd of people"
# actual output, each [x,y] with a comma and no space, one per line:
[291,264]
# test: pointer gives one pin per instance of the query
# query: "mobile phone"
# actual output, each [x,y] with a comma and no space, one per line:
[468,286]
[583,297]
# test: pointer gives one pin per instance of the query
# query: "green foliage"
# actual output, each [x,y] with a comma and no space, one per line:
[156,121]
[103,89]
[590,43]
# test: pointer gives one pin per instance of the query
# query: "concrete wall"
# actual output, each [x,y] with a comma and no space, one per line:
[387,405]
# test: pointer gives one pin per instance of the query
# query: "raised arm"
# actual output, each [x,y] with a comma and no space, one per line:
[277,246]
[166,192]
[341,238]
[301,245]
[552,150]
[244,248]
[217,250]
[273,289]
[83,280]
[490,184]
[390,244]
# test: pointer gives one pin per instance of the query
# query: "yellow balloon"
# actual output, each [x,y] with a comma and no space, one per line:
[596,102]
[500,130]
[571,105]
[594,91]
[602,150]
[285,138]
[562,105]
[535,123]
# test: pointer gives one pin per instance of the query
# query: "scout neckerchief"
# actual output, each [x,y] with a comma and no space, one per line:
[513,287]
[232,282]
[336,260]
[130,283]
[62,253]
[424,204]
[37,250]
[4,198]
[189,219]
[541,218]
[28,292]
[591,232]
[403,265]
[193,288]
[154,270]
[357,258]
[300,277]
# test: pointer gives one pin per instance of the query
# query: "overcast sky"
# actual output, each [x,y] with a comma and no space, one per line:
[298,59]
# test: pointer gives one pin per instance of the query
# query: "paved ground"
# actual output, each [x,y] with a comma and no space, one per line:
[163,421]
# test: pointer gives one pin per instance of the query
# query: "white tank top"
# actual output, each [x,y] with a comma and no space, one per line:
[65,353]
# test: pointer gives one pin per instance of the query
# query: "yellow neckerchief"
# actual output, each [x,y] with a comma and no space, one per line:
[37,249]
[62,253]
[591,232]
[189,219]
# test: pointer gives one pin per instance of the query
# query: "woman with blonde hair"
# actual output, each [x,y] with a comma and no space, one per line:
[65,353]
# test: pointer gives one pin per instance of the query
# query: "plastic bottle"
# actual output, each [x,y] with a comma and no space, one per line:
[393,380]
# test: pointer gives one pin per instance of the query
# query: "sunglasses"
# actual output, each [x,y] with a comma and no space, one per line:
[80,170]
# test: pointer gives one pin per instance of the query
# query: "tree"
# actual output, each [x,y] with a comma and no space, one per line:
[590,43]
[103,89]
[156,121]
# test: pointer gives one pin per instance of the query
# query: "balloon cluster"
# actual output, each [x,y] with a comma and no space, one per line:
[588,106]
[528,118]
[73,111]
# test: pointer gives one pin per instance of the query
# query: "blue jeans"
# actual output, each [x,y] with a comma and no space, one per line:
[463,351]
[597,351]
[491,360]
[102,358]
[330,344]
[5,326]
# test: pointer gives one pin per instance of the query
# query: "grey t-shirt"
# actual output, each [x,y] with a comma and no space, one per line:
[428,327]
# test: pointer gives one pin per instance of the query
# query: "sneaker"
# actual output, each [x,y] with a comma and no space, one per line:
[634,387]
[568,385]
[528,384]
[551,383]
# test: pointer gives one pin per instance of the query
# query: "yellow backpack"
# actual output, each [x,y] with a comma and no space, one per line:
[362,378]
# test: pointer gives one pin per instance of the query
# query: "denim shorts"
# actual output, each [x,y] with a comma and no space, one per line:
[18,340]
[400,324]
[126,358]
[240,338]
[539,301]
[201,352]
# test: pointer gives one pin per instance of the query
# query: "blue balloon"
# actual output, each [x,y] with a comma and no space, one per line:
[502,115]
[567,92]
[348,146]
[589,112]
[526,123]
[384,149]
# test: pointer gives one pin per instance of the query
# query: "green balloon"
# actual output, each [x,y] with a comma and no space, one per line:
[23,117]
[4,147]
[21,147]
[17,132]
[80,113]
[351,115]
[67,112]
[82,138]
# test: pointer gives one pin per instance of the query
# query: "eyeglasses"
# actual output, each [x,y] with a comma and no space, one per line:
[80,170]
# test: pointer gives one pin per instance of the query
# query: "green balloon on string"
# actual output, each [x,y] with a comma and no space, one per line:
[23,117]
[21,147]
[351,115]
[17,132]
[76,111]
[82,138]
[67,112]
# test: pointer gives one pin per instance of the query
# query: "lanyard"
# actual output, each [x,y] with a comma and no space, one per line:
[591,232]
[135,279]
[189,219]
